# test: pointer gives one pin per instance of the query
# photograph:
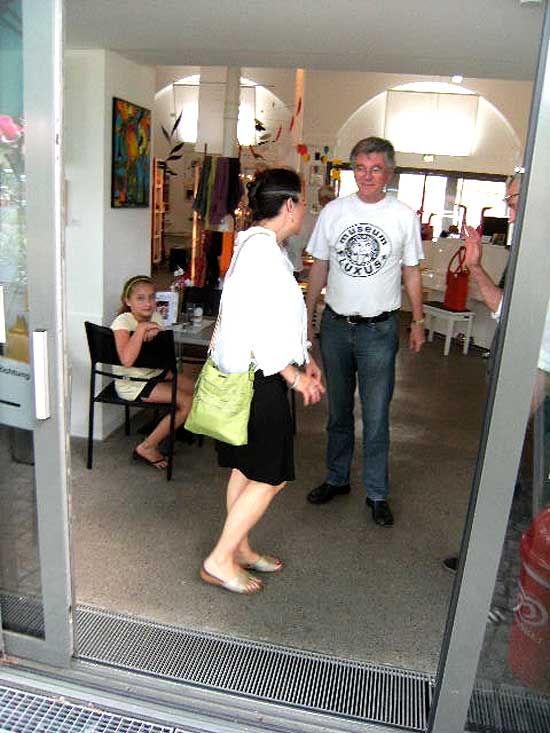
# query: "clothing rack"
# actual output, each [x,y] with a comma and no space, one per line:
[217,192]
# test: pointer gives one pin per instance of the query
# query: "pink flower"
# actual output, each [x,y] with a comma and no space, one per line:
[9,130]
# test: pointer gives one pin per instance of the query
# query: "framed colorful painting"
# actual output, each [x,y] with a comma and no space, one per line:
[131,155]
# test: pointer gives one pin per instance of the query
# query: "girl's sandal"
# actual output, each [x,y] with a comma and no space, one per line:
[155,464]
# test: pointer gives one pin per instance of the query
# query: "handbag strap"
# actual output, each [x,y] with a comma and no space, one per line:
[460,254]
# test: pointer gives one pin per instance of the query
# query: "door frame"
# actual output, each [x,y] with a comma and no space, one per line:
[501,440]
[521,326]
[42,95]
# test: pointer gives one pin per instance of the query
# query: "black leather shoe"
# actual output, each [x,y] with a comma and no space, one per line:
[381,512]
[326,492]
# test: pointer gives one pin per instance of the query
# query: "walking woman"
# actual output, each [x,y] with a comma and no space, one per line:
[263,319]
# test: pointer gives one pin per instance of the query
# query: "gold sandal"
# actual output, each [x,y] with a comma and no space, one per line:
[265,564]
[238,584]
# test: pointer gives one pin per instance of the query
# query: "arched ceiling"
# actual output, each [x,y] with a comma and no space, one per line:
[475,38]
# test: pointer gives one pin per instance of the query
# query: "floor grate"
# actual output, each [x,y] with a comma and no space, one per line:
[303,679]
[22,614]
[499,709]
[24,712]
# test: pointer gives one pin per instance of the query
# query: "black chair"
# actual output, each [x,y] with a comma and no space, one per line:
[156,354]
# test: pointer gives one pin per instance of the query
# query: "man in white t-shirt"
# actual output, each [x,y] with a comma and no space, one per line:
[364,245]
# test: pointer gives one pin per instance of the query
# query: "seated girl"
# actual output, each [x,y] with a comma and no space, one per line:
[137,322]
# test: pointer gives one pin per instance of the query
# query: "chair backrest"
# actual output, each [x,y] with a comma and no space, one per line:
[159,353]
[101,343]
[207,298]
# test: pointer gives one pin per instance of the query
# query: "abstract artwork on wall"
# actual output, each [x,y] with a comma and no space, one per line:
[131,155]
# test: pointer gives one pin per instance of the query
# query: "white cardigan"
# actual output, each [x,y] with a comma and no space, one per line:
[263,314]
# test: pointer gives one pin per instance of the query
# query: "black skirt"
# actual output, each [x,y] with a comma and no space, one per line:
[269,455]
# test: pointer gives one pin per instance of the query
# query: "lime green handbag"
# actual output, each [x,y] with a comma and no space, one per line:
[221,404]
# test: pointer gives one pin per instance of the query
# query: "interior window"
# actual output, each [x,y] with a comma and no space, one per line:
[478,195]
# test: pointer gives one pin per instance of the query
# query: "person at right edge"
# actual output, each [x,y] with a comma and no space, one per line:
[362,245]
[492,295]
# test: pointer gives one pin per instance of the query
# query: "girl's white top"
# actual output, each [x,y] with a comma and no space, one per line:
[263,314]
[125,388]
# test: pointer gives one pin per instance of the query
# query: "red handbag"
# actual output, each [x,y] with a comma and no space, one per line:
[456,292]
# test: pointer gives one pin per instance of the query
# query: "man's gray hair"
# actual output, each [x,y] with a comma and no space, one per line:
[374,145]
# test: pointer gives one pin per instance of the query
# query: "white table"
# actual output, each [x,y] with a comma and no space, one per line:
[187,333]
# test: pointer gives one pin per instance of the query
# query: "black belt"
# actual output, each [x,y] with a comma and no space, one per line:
[362,319]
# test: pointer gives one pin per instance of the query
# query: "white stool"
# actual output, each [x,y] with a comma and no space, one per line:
[433,310]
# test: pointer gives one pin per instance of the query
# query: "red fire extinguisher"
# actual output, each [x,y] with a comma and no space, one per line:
[529,653]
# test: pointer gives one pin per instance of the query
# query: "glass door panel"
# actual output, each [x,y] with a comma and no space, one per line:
[498,630]
[513,675]
[34,569]
[20,583]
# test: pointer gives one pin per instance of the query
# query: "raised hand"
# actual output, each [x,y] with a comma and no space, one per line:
[472,242]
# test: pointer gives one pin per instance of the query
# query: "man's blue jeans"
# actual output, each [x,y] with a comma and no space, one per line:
[367,350]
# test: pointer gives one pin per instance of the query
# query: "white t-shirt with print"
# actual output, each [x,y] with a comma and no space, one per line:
[366,246]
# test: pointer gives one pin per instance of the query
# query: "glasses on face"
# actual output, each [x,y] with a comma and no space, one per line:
[506,199]
[362,170]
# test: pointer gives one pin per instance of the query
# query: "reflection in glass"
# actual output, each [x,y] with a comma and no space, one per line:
[513,686]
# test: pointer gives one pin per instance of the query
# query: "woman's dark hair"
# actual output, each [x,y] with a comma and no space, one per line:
[268,191]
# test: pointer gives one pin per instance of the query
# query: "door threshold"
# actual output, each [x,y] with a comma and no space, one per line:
[302,679]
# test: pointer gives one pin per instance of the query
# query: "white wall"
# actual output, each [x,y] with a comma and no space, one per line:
[127,232]
[84,143]
[332,98]
[104,246]
[497,149]
[338,109]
